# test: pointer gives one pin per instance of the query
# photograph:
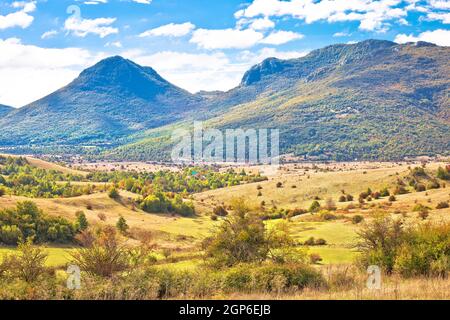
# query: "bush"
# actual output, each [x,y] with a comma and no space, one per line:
[392,198]
[442,205]
[243,238]
[379,241]
[28,265]
[314,207]
[32,222]
[327,216]
[357,219]
[315,258]
[419,187]
[423,214]
[279,184]
[2,191]
[349,197]
[443,174]
[425,251]
[385,193]
[10,235]
[433,185]
[419,250]
[113,193]
[419,207]
[400,190]
[342,198]
[81,223]
[122,225]
[106,256]
[220,211]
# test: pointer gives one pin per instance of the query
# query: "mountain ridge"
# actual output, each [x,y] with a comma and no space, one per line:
[345,101]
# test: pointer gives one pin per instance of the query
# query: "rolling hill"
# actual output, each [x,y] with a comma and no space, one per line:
[371,100]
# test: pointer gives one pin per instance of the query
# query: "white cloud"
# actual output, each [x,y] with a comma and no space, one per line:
[27,6]
[341,34]
[281,37]
[49,34]
[440,37]
[262,24]
[373,15]
[82,27]
[93,2]
[28,72]
[215,71]
[21,18]
[170,30]
[143,1]
[116,44]
[439,4]
[444,17]
[226,38]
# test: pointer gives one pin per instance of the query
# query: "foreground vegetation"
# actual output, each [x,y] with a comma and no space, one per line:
[141,244]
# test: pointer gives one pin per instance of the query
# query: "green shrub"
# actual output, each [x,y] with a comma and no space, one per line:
[10,235]
[113,193]
[314,207]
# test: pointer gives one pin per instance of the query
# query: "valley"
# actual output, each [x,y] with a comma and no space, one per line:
[285,197]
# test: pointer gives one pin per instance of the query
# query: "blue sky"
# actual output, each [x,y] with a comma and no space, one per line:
[196,44]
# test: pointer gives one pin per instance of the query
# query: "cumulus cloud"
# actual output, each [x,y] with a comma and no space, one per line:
[373,15]
[20,18]
[226,38]
[29,72]
[214,71]
[82,27]
[262,24]
[281,37]
[170,30]
[440,37]
[443,17]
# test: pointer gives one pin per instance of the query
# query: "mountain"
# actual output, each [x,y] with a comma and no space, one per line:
[111,100]
[4,110]
[370,100]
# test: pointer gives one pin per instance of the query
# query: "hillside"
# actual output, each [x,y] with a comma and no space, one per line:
[110,100]
[371,100]
[4,110]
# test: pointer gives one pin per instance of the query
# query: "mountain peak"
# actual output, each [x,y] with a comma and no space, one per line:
[316,59]
[122,75]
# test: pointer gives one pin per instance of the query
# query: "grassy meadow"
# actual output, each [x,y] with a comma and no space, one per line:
[178,241]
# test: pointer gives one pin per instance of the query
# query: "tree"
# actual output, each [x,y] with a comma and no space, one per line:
[28,264]
[81,223]
[122,225]
[379,241]
[113,193]
[314,207]
[240,238]
[105,255]
[443,174]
